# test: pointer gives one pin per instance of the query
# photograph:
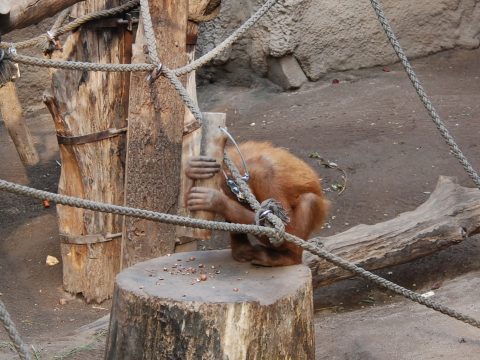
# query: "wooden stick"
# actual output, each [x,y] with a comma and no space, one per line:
[209,141]
[449,216]
[12,115]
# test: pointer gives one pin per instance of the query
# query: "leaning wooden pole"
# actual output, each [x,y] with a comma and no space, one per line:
[22,13]
[12,115]
[155,126]
[89,110]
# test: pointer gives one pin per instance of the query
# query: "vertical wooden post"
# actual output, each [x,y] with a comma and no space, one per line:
[92,105]
[187,237]
[155,126]
[209,141]
[12,115]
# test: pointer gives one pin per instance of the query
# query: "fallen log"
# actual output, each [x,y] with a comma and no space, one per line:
[20,14]
[450,215]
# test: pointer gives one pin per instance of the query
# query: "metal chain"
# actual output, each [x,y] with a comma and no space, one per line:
[421,93]
[8,324]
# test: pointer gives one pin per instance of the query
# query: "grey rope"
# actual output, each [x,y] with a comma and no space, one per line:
[75,24]
[421,93]
[251,229]
[12,332]
[160,68]
[149,32]
[133,212]
[74,65]
[334,259]
[77,65]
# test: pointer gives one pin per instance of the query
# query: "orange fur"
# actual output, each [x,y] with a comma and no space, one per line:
[276,173]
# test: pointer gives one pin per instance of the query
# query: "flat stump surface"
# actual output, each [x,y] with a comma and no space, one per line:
[179,277]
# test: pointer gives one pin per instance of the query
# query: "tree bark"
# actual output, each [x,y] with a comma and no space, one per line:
[23,13]
[450,215]
[88,103]
[12,115]
[155,127]
[163,310]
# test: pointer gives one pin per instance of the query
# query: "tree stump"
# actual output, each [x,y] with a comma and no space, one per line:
[205,305]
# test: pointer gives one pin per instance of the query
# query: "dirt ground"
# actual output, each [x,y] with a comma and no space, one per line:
[373,126]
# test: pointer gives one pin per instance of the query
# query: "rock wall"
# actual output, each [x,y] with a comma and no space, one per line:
[331,35]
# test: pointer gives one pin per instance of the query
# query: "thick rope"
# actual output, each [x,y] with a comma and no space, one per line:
[251,229]
[133,212]
[279,234]
[73,65]
[77,65]
[75,24]
[421,93]
[20,346]
[167,73]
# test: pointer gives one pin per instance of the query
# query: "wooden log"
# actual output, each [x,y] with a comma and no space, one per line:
[203,10]
[155,127]
[12,115]
[90,103]
[208,141]
[238,311]
[450,215]
[22,13]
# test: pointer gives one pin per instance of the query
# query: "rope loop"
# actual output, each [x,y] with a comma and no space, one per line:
[272,214]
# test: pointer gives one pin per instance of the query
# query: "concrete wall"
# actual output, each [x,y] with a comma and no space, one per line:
[332,35]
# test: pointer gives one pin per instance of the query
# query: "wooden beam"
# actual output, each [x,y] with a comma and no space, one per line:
[155,127]
[12,115]
[22,13]
[84,103]
[450,215]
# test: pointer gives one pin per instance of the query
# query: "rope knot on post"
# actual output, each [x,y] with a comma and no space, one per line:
[272,214]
